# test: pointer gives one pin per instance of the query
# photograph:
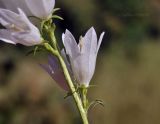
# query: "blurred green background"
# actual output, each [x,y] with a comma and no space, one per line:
[127,76]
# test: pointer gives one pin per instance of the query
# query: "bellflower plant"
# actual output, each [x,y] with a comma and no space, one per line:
[18,29]
[73,66]
[83,55]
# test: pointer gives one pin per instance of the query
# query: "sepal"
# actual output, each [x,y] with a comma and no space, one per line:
[94,103]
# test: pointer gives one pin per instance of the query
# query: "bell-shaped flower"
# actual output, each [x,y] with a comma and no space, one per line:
[83,55]
[18,29]
[55,71]
[39,8]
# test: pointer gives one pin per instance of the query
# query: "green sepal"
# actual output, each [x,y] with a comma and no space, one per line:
[57,17]
[56,9]
[91,86]
[35,50]
[94,103]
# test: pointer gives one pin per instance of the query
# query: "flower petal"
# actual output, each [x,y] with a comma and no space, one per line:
[14,4]
[27,38]
[1,4]
[41,8]
[93,57]
[55,72]
[7,37]
[10,20]
[70,44]
[47,68]
[89,48]
[89,44]
[53,62]
[31,27]
[79,69]
[100,41]
[20,29]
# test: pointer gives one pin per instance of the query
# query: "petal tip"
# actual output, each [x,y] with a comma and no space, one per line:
[67,31]
[102,34]
[91,30]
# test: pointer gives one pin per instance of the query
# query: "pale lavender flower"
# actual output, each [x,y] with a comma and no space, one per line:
[83,55]
[41,8]
[18,28]
[55,71]
[38,8]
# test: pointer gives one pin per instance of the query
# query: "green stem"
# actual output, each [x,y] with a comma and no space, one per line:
[53,39]
[72,88]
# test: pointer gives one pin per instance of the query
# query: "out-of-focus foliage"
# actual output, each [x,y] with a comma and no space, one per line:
[127,73]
